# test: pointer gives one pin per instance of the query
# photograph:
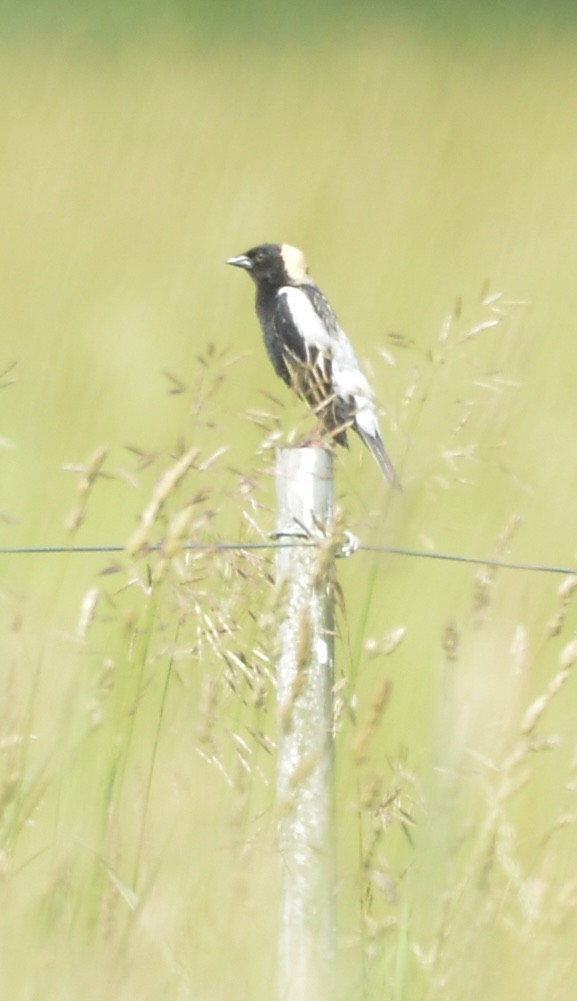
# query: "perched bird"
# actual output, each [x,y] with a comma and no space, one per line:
[309,349]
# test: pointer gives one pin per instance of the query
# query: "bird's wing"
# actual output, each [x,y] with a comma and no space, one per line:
[326,372]
[329,376]
[302,327]
[349,380]
[306,346]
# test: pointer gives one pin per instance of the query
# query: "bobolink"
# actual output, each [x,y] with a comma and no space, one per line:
[309,349]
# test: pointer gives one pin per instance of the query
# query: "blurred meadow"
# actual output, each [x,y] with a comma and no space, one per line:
[427,165]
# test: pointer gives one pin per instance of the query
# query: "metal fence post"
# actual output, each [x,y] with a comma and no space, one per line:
[305,679]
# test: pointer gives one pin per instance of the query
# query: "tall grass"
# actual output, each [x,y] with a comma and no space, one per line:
[137,729]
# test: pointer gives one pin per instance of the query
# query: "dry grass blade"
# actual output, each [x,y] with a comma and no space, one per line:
[166,485]
[90,473]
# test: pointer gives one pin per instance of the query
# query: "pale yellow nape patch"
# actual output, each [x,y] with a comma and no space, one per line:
[295,263]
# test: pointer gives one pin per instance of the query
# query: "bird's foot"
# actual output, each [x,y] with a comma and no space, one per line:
[319,437]
[316,439]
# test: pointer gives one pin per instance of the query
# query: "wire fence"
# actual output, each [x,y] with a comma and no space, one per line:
[216,547]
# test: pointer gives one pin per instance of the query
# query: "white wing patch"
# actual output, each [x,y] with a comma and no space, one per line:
[306,319]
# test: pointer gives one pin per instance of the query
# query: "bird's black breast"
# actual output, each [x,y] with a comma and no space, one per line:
[280,335]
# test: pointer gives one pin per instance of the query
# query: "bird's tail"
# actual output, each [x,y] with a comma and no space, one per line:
[375,445]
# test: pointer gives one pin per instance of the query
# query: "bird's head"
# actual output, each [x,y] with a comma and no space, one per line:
[274,264]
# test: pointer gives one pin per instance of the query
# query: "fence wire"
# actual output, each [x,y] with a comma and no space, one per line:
[216,547]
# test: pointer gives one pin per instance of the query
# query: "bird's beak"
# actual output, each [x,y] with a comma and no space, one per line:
[242,261]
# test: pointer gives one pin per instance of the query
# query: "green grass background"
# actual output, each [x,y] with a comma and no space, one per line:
[425,158]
